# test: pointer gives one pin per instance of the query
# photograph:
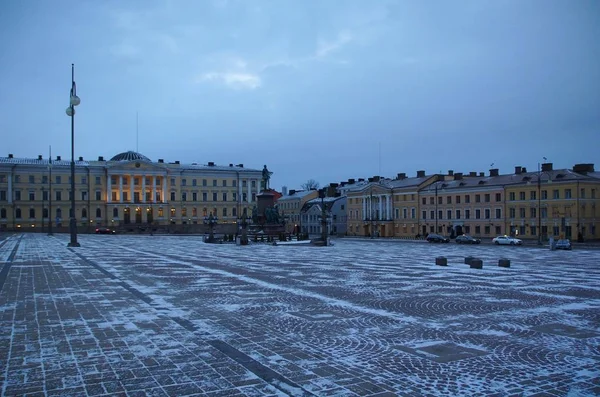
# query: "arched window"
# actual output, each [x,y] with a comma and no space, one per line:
[84,213]
[18,213]
[58,213]
[115,212]
[32,213]
[98,213]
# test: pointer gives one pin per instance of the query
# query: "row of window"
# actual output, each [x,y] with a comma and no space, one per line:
[136,181]
[58,196]
[126,212]
[555,194]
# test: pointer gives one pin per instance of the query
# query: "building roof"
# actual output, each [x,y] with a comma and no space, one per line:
[499,181]
[42,162]
[298,194]
[130,156]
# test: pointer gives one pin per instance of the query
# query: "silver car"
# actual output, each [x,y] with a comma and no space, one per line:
[506,240]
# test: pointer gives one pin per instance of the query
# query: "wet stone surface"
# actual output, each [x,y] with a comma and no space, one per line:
[172,316]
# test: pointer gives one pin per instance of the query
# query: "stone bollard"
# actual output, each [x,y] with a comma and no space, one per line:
[468,260]
[476,263]
[441,261]
[504,262]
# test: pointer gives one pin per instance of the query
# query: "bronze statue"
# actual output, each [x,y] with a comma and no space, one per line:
[266,176]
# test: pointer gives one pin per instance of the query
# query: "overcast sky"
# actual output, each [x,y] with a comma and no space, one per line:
[328,90]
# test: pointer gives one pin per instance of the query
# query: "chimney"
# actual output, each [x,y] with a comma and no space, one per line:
[292,191]
[450,172]
[361,179]
[482,174]
[80,158]
[547,167]
[518,169]
[231,165]
[370,179]
[211,164]
[10,156]
[583,168]
[39,156]
[401,175]
[351,181]
[100,158]
[420,174]
[376,178]
[161,161]
[177,162]
[458,176]
[241,165]
[57,158]
[472,173]
[494,172]
[524,170]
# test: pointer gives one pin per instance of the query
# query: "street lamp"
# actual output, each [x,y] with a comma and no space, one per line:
[49,194]
[323,216]
[243,222]
[211,221]
[539,192]
[73,101]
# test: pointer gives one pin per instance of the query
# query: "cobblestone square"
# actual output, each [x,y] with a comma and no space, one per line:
[173,316]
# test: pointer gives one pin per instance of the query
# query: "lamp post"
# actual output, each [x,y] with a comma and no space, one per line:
[73,101]
[323,216]
[211,221]
[243,222]
[539,192]
[43,203]
[49,194]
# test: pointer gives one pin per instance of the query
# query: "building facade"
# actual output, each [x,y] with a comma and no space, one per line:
[128,189]
[553,203]
[335,216]
[291,207]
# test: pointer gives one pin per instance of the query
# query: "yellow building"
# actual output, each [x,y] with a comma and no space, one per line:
[291,205]
[464,204]
[558,203]
[567,202]
[385,207]
[127,190]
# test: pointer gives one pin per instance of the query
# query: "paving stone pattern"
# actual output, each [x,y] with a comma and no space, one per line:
[172,316]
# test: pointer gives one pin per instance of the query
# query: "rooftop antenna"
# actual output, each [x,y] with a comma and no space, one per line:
[136,132]
[491,165]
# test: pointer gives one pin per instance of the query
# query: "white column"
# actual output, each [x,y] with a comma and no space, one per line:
[164,192]
[153,199]
[143,188]
[120,188]
[380,197]
[389,203]
[239,194]
[131,188]
[364,207]
[10,189]
[108,189]
[249,190]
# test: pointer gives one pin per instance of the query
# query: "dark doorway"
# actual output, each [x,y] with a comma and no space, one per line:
[138,215]
[126,216]
[459,230]
[149,215]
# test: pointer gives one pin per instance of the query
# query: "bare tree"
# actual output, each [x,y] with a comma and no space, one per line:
[310,184]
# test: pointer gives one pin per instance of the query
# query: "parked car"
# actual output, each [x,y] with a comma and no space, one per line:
[104,230]
[466,239]
[436,238]
[506,240]
[563,244]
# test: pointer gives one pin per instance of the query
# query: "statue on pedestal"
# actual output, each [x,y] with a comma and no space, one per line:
[266,176]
